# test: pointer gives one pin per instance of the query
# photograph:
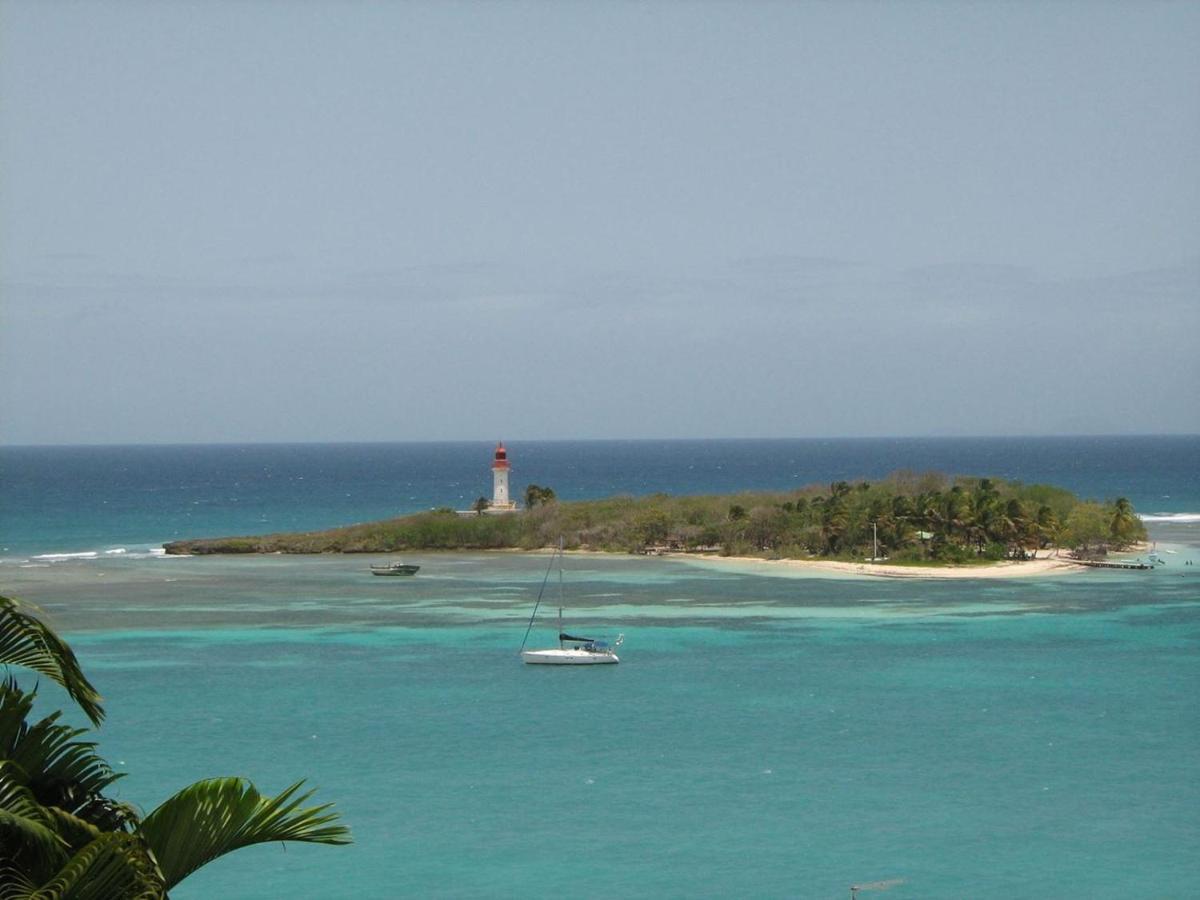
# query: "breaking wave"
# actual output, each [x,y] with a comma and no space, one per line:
[1182,518]
[110,553]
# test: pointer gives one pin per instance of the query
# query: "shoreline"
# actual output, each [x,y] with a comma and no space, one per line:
[1003,569]
[1039,566]
[1042,566]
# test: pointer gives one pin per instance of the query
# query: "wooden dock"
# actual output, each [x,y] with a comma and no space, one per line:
[1098,564]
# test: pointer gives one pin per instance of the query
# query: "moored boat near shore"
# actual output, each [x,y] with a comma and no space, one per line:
[394,569]
[586,653]
[583,651]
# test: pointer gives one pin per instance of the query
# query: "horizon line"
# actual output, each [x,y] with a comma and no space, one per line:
[598,440]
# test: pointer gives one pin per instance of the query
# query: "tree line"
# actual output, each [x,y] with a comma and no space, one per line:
[906,517]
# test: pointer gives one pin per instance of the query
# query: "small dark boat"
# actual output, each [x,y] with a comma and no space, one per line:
[394,569]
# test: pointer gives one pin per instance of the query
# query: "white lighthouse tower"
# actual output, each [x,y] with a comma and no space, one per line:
[501,500]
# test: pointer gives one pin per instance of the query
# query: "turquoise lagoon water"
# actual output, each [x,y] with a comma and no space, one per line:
[765,735]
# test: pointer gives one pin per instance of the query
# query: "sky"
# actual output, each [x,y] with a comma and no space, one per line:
[353,221]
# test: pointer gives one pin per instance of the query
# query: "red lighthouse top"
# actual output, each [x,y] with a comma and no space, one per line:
[501,459]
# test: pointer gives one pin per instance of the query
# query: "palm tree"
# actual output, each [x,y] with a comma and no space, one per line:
[1049,528]
[1125,524]
[958,513]
[59,831]
[839,489]
[63,838]
[834,522]
[219,815]
[986,515]
[536,495]
[1018,529]
[26,641]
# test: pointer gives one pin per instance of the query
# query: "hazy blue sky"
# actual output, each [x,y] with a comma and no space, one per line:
[389,221]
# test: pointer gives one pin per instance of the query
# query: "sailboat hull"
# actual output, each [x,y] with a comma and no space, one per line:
[568,657]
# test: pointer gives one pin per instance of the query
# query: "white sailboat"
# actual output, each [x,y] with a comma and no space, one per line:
[571,650]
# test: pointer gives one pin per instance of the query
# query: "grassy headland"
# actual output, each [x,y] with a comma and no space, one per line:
[918,519]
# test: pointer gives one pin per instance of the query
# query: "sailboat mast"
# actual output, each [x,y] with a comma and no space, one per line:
[560,589]
[541,591]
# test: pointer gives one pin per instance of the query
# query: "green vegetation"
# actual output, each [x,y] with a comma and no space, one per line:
[915,518]
[62,837]
[536,495]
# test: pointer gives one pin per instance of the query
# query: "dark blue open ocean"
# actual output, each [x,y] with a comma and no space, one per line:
[79,499]
[768,733]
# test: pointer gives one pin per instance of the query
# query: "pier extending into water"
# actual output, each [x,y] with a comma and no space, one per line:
[1099,564]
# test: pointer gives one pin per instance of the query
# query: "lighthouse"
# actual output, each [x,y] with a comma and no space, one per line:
[501,500]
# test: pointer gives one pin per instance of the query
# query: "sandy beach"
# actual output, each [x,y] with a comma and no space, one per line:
[1051,565]
[1048,564]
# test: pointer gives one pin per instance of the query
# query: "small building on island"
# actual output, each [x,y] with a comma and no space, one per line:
[501,502]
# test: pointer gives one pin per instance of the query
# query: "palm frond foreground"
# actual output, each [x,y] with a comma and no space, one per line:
[26,641]
[216,816]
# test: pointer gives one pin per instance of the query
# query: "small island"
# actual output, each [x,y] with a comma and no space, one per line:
[906,519]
